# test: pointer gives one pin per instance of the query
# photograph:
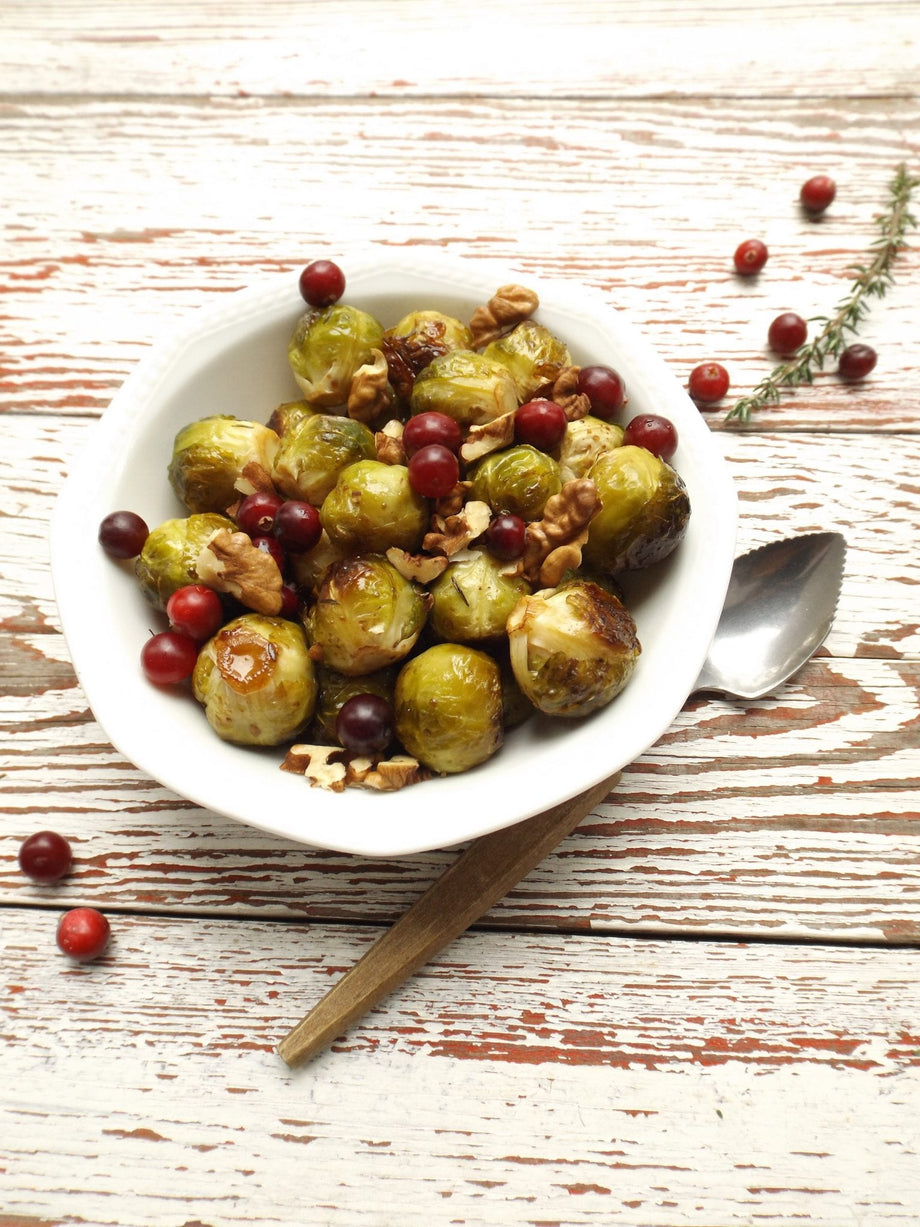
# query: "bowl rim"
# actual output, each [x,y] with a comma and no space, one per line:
[422,817]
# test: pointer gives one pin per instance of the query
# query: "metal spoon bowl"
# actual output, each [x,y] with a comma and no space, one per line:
[779,607]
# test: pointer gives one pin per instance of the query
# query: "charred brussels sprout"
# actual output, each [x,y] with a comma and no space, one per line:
[209,455]
[169,558]
[315,450]
[256,681]
[585,440]
[366,616]
[572,648]
[466,386]
[326,349]
[288,414]
[644,511]
[519,479]
[531,355]
[449,707]
[335,689]
[417,340]
[472,599]
[373,507]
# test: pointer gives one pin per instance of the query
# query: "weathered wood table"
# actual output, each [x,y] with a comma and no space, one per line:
[703,1008]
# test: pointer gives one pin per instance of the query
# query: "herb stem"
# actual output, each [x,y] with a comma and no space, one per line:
[871,280]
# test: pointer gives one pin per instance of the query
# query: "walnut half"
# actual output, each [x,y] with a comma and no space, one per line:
[229,562]
[553,544]
[509,305]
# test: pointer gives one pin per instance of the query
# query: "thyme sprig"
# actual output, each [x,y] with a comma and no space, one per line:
[871,281]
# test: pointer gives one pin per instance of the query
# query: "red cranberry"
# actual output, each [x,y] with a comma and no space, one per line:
[506,536]
[750,257]
[168,658]
[708,383]
[195,610]
[297,526]
[322,283]
[787,333]
[818,194]
[45,857]
[653,432]
[256,513]
[541,423]
[83,933]
[122,534]
[365,724]
[856,362]
[431,427]
[271,545]
[433,471]
[604,388]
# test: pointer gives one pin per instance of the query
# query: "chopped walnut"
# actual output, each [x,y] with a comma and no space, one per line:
[253,479]
[452,502]
[229,562]
[565,393]
[386,775]
[509,305]
[457,531]
[487,437]
[323,766]
[369,393]
[389,444]
[553,544]
[422,568]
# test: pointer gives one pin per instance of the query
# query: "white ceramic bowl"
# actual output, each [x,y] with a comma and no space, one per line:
[231,358]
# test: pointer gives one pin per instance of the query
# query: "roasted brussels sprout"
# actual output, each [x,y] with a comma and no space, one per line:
[335,689]
[256,681]
[532,356]
[572,648]
[326,349]
[209,455]
[644,511]
[307,570]
[449,707]
[373,507]
[466,386]
[472,599]
[584,440]
[315,450]
[519,479]
[170,554]
[416,340]
[366,616]
[289,414]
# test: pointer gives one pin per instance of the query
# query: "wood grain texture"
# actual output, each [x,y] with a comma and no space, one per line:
[645,1083]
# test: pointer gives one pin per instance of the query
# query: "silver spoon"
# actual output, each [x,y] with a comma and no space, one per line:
[779,607]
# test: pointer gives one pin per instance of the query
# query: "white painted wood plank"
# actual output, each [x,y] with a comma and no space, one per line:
[507,47]
[122,215]
[519,1080]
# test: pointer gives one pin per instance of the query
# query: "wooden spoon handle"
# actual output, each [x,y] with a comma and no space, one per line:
[481,876]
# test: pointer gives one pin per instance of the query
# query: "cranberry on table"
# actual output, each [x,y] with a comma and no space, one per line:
[256,513]
[365,724]
[750,257]
[168,658]
[655,433]
[434,470]
[506,536]
[45,857]
[195,610]
[541,423]
[322,283]
[708,383]
[83,933]
[787,333]
[122,534]
[604,388]
[818,194]
[856,362]
[431,427]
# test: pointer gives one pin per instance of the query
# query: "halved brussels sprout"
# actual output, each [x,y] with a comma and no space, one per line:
[170,554]
[519,479]
[366,616]
[472,599]
[256,681]
[335,689]
[584,440]
[466,386]
[644,511]
[572,648]
[315,450]
[372,507]
[532,356]
[449,707]
[327,347]
[209,455]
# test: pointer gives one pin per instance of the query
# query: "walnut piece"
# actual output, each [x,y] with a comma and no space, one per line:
[230,563]
[422,568]
[389,443]
[369,393]
[487,437]
[386,775]
[454,532]
[553,544]
[509,305]
[329,767]
[323,766]
[565,393]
